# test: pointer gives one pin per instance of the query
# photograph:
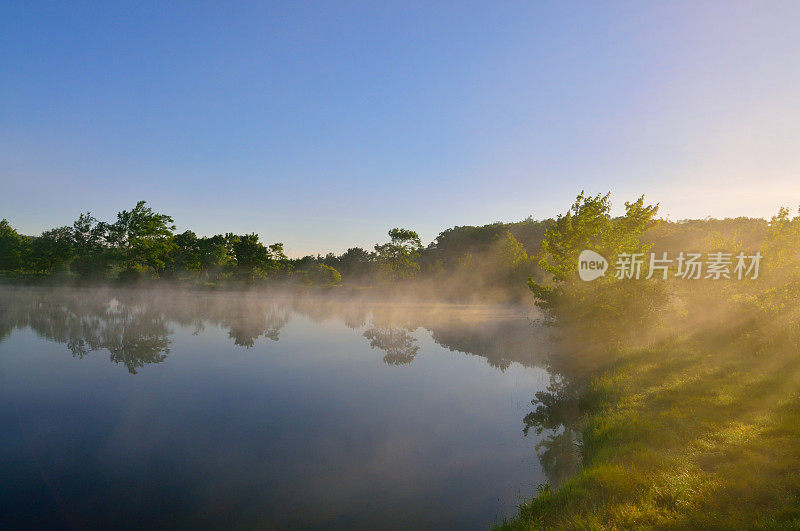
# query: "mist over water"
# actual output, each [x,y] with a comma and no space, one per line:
[135,407]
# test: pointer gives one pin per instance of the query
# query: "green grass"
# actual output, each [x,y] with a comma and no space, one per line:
[699,432]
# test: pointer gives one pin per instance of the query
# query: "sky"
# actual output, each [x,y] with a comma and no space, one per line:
[325,124]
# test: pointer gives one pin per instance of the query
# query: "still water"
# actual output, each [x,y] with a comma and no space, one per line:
[131,408]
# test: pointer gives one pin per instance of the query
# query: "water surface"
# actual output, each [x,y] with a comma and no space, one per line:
[125,408]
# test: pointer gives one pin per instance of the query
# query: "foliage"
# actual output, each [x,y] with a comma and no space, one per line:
[509,261]
[52,251]
[589,225]
[697,428]
[397,259]
[780,277]
[488,263]
[214,253]
[451,245]
[186,255]
[254,261]
[322,275]
[355,263]
[142,238]
[12,247]
[93,253]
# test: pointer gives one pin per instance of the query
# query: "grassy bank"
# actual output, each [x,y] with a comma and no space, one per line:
[699,431]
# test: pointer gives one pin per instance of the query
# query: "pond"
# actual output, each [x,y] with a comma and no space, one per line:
[157,408]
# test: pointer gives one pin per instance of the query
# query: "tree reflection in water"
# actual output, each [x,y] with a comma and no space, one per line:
[556,410]
[398,343]
[133,335]
[134,327]
[249,322]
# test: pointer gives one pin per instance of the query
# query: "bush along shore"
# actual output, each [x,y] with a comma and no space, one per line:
[679,398]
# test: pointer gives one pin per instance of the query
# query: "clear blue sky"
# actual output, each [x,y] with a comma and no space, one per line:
[323,125]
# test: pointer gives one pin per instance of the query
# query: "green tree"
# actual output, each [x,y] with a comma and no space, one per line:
[88,234]
[53,250]
[142,238]
[451,245]
[589,225]
[508,262]
[186,253]
[13,247]
[778,287]
[323,275]
[214,254]
[397,259]
[252,257]
[93,256]
[280,266]
[254,261]
[782,244]
[355,263]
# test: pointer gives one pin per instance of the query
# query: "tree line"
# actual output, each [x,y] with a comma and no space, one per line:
[142,244]
[494,260]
